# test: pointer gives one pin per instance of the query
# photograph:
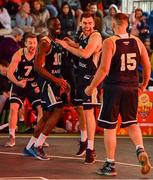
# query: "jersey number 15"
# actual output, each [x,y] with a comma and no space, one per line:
[128,61]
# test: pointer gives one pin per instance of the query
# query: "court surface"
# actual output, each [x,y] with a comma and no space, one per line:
[64,164]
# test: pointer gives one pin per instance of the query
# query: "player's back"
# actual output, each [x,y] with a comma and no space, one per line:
[124,64]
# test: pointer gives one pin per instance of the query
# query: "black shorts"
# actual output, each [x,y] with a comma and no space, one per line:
[118,100]
[31,92]
[51,96]
[81,98]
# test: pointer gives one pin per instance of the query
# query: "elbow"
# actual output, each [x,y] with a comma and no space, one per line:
[85,55]
[8,74]
[105,71]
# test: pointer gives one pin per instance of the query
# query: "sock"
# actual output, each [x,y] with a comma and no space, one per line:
[110,160]
[139,146]
[21,120]
[12,133]
[31,142]
[90,144]
[139,149]
[83,135]
[41,139]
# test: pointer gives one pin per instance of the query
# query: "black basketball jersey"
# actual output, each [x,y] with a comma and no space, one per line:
[25,68]
[53,59]
[86,67]
[124,64]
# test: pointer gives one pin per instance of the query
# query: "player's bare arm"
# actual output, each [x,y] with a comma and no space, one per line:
[104,67]
[12,68]
[39,62]
[71,42]
[94,41]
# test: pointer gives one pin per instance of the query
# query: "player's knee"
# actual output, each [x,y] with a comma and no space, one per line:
[14,107]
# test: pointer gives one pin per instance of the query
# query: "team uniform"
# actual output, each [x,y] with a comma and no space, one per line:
[121,84]
[86,70]
[26,71]
[50,91]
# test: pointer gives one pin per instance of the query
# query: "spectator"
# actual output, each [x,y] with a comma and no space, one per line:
[143,28]
[135,20]
[12,7]
[147,44]
[150,22]
[51,8]
[40,16]
[68,21]
[24,19]
[5,21]
[76,6]
[107,30]
[10,44]
[4,85]
[93,9]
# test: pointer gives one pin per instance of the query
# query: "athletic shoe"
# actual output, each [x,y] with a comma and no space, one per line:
[10,143]
[45,144]
[39,153]
[143,160]
[82,149]
[90,156]
[28,152]
[108,169]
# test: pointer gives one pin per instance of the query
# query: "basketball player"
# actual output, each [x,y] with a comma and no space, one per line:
[48,65]
[119,64]
[88,52]
[24,83]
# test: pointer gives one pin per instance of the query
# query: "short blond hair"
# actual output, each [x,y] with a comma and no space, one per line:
[121,19]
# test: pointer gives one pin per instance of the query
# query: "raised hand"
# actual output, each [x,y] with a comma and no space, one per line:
[88,91]
[22,83]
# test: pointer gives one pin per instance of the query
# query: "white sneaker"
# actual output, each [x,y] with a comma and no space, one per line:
[10,143]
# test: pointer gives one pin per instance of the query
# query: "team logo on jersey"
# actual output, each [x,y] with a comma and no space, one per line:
[34,84]
[37,90]
[87,76]
[82,65]
[126,43]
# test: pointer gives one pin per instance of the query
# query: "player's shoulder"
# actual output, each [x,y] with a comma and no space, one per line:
[111,39]
[19,52]
[96,34]
[136,39]
[17,55]
[45,43]
[45,39]
[95,37]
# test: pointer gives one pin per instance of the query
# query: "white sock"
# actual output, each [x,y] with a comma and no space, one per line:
[83,135]
[31,142]
[90,144]
[139,146]
[21,120]
[40,141]
[12,133]
[110,160]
